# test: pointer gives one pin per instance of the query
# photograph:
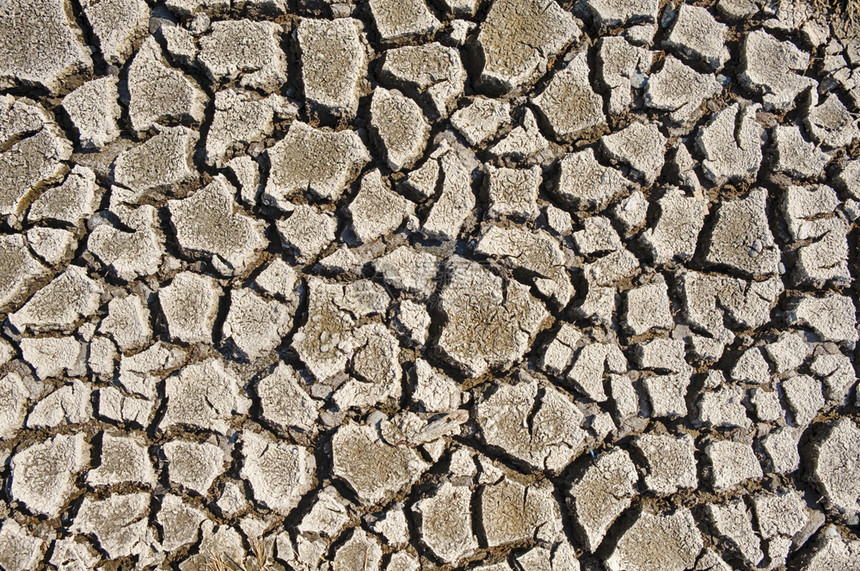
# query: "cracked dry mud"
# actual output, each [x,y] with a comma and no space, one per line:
[505,285]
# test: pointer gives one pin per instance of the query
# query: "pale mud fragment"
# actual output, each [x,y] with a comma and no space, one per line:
[400,20]
[680,90]
[254,325]
[741,238]
[658,542]
[246,51]
[618,63]
[731,463]
[822,252]
[600,495]
[119,523]
[409,270]
[375,369]
[670,462]
[585,183]
[43,474]
[517,39]
[241,119]
[162,163]
[119,25]
[513,192]
[834,463]
[751,367]
[94,110]
[403,561]
[307,232]
[435,391]
[804,397]
[399,126]
[831,551]
[560,556]
[328,516]
[123,459]
[373,469]
[596,238]
[128,241]
[641,147]
[780,447]
[284,401]
[179,44]
[831,123]
[430,71]
[781,517]
[481,119]
[535,252]
[513,512]
[70,404]
[333,62]
[278,279]
[179,521]
[219,541]
[707,299]
[60,304]
[648,307]
[532,422]
[675,232]
[204,396]
[70,554]
[773,69]
[323,343]
[52,356]
[831,317]
[489,322]
[795,156]
[696,34]
[731,144]
[837,374]
[322,162]
[159,93]
[559,351]
[612,13]
[723,408]
[19,270]
[51,245]
[40,45]
[376,210]
[19,550]
[71,202]
[446,523]
[279,473]
[113,405]
[33,150]
[455,203]
[361,550]
[412,321]
[190,306]
[569,104]
[733,522]
[209,224]
[592,362]
[525,142]
[194,465]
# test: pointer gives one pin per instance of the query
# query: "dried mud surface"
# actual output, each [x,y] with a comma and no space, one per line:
[512,285]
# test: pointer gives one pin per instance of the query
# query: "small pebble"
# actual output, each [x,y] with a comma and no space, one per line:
[781,268]
[638,80]
[200,24]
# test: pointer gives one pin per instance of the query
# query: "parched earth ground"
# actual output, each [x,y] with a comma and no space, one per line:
[526,285]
